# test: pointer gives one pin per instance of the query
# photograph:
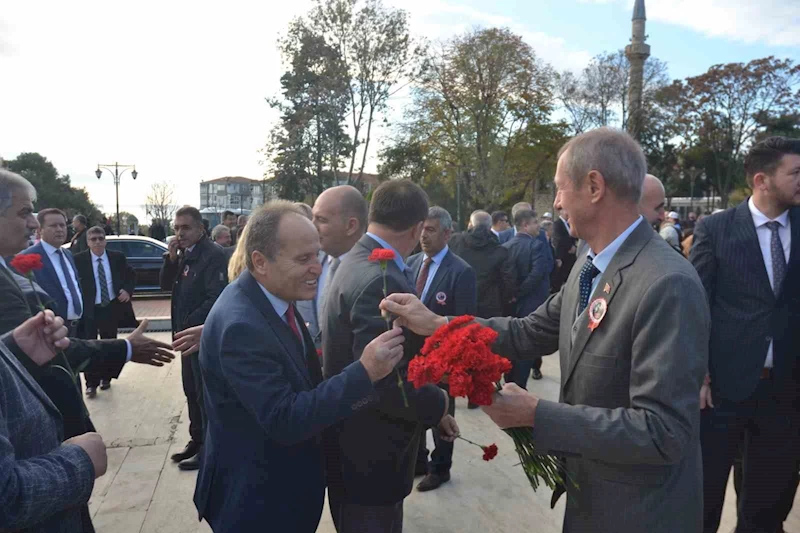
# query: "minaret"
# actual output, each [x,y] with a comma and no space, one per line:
[637,53]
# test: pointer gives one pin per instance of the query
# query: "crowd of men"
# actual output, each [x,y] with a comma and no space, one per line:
[288,364]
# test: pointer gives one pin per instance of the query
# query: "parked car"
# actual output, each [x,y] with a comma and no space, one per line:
[144,254]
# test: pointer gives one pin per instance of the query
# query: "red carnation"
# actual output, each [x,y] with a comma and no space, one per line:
[489,452]
[24,264]
[319,353]
[381,254]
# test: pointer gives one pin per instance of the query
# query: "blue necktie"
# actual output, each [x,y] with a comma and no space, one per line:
[588,273]
[76,302]
[778,257]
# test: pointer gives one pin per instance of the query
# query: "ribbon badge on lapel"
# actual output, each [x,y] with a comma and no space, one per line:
[185,271]
[597,311]
[441,298]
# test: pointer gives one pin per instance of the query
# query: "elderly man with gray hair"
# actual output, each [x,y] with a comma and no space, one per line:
[632,332]
[221,234]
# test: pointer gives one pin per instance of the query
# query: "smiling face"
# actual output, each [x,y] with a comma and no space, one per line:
[292,275]
[17,224]
[54,229]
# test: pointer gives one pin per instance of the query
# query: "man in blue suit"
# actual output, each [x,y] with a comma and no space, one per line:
[262,464]
[59,277]
[533,261]
[446,284]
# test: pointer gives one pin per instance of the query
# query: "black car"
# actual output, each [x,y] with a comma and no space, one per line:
[145,255]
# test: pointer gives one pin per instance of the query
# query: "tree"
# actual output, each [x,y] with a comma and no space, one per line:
[160,203]
[309,144]
[52,189]
[378,54]
[724,109]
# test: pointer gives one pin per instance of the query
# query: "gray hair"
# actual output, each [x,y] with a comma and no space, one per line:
[614,154]
[546,224]
[262,229]
[519,206]
[9,183]
[441,214]
[523,216]
[219,228]
[480,219]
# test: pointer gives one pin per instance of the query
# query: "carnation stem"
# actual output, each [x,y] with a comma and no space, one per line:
[473,443]
[388,319]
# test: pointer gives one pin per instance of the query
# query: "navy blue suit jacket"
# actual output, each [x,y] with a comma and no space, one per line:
[506,235]
[533,261]
[262,466]
[453,289]
[48,279]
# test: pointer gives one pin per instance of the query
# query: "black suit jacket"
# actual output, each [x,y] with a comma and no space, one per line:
[745,313]
[562,243]
[123,277]
[14,310]
[373,453]
[452,291]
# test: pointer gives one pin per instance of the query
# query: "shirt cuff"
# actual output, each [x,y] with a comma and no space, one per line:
[130,351]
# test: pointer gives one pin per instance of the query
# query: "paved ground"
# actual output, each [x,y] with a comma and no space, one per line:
[143,420]
[150,307]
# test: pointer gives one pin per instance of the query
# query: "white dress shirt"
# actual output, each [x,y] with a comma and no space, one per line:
[109,282]
[56,260]
[437,260]
[496,233]
[764,235]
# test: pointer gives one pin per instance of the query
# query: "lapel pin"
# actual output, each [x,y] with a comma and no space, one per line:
[441,298]
[607,288]
[597,311]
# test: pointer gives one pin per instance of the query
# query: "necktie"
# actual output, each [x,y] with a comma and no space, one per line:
[290,320]
[588,273]
[422,279]
[101,276]
[73,292]
[778,257]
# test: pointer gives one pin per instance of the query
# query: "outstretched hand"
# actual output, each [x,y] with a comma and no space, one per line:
[382,354]
[412,314]
[41,337]
[149,351]
[187,341]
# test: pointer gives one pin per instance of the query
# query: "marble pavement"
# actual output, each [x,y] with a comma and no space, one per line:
[143,420]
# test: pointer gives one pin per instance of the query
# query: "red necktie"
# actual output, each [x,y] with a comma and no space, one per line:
[422,279]
[293,323]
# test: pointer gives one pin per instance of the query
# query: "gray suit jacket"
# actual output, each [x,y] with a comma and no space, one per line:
[628,419]
[43,484]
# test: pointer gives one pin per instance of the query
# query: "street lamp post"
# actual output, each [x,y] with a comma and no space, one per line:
[115,169]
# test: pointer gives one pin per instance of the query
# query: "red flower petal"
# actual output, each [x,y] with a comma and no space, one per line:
[489,452]
[381,254]
[25,263]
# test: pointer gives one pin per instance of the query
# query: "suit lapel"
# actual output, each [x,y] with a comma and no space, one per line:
[281,329]
[441,272]
[744,231]
[611,279]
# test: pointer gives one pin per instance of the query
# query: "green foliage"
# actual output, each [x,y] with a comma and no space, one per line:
[52,189]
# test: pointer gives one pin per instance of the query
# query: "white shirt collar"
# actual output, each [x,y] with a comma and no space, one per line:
[759,218]
[438,258]
[3,262]
[340,258]
[280,306]
[104,257]
[49,248]
[603,259]
[495,232]
[189,249]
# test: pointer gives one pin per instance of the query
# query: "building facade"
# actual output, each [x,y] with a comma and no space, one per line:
[235,193]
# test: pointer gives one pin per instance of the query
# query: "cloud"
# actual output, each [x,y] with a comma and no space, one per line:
[773,22]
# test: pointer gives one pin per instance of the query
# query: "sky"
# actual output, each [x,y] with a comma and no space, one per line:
[178,88]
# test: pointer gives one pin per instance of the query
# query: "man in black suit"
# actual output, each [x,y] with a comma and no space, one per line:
[371,455]
[446,284]
[748,258]
[79,243]
[533,262]
[107,283]
[500,223]
[565,247]
[195,270]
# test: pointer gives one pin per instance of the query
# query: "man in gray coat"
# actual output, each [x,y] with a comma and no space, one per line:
[631,326]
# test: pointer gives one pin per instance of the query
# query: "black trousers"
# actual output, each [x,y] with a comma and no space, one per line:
[352,518]
[104,324]
[787,499]
[766,427]
[193,389]
[442,455]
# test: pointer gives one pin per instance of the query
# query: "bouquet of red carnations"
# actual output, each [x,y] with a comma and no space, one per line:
[460,351]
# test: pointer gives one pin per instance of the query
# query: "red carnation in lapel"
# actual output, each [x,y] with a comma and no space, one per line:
[24,264]
[381,255]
